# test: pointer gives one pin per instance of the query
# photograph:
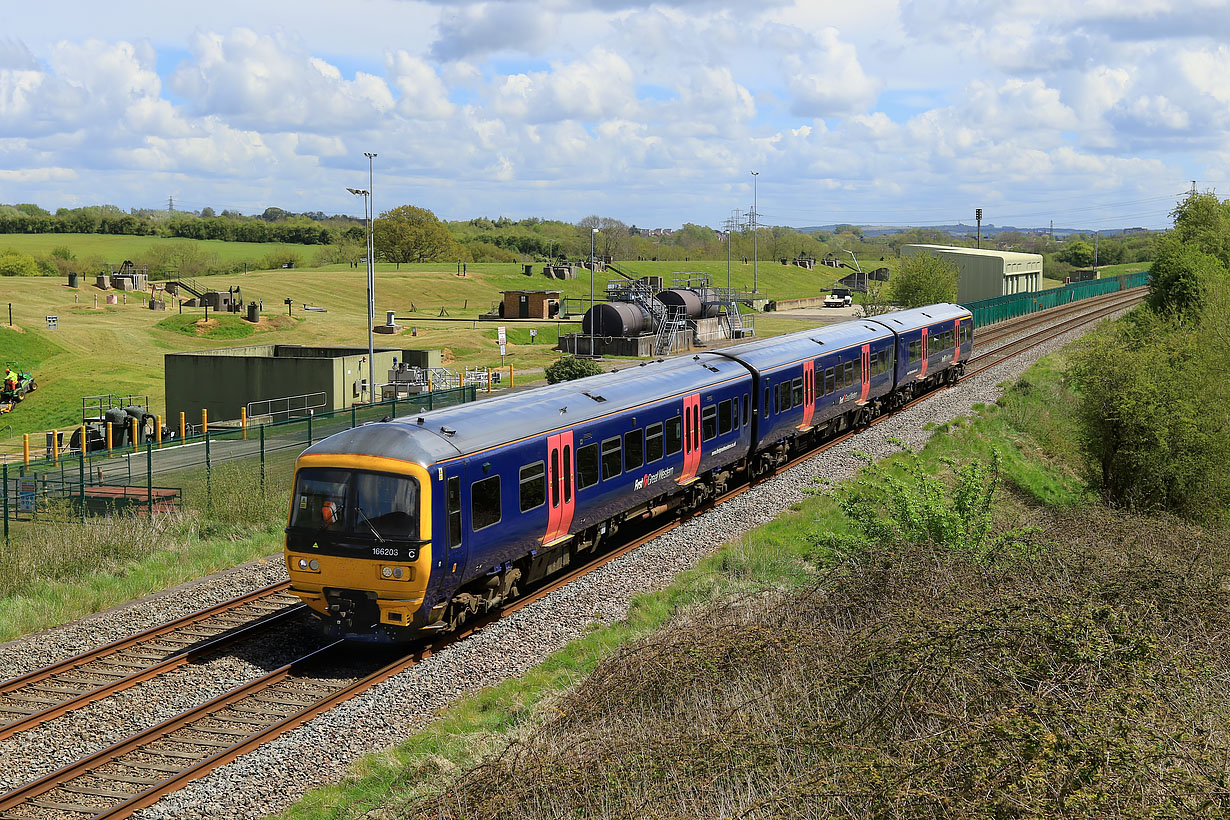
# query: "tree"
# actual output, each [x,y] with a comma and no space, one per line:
[1078,254]
[1202,221]
[411,234]
[569,368]
[1180,277]
[923,279]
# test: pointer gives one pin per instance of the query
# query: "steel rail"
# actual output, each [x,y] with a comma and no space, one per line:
[58,678]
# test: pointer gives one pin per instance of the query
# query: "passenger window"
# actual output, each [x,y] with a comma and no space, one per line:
[587,466]
[796,393]
[858,371]
[849,374]
[829,384]
[695,427]
[674,435]
[454,511]
[726,417]
[766,403]
[634,450]
[533,482]
[745,397]
[708,423]
[653,442]
[567,473]
[485,503]
[612,458]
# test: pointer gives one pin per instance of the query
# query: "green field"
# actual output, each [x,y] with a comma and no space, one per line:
[115,249]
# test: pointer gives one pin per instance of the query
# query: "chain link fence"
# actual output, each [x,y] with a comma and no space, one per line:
[150,477]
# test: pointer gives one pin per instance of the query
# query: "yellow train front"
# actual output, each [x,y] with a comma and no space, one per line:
[359,539]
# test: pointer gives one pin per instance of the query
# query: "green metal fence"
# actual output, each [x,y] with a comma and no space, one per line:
[1001,308]
[136,478]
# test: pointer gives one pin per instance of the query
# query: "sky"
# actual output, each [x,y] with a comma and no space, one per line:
[1096,114]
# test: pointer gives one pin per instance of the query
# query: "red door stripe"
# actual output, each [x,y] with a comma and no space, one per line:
[555,488]
[568,501]
[809,393]
[925,354]
[865,368]
[956,340]
[691,437]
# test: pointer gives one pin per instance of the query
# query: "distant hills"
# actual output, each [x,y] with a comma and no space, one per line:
[961,229]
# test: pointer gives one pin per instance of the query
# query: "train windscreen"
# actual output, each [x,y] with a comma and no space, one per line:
[356,504]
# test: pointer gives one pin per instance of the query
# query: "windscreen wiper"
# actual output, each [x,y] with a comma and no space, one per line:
[369,524]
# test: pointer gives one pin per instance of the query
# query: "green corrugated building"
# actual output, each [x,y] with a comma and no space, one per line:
[984,274]
[275,379]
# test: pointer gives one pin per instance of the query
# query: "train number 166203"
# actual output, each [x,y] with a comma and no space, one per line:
[389,552]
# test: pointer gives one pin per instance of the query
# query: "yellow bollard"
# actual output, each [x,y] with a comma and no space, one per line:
[429,387]
[134,434]
[158,430]
[488,379]
[243,421]
[55,446]
[109,439]
[204,421]
[85,446]
[512,381]
[183,428]
[25,448]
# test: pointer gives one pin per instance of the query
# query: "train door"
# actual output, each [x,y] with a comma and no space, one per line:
[561,475]
[956,341]
[453,561]
[864,366]
[809,393]
[926,353]
[691,437]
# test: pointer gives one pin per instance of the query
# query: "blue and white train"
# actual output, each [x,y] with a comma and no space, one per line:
[409,526]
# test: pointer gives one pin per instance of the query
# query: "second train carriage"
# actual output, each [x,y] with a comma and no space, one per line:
[411,525]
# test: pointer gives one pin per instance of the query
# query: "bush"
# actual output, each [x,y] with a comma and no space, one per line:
[15,263]
[923,280]
[569,368]
[278,259]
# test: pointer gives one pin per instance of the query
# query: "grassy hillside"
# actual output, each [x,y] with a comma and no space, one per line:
[115,249]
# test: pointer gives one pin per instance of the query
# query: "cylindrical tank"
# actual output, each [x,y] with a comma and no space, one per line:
[254,312]
[72,280]
[616,319]
[682,298]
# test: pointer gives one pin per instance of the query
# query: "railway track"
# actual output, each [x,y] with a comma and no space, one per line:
[136,772]
[55,690]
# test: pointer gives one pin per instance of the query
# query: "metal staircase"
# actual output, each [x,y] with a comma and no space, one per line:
[672,323]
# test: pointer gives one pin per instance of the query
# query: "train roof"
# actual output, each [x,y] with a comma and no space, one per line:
[921,317]
[469,428]
[778,351]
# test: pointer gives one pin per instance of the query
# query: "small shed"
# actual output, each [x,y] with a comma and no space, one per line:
[531,304]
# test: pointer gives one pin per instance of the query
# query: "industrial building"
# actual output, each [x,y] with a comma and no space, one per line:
[274,381]
[983,274]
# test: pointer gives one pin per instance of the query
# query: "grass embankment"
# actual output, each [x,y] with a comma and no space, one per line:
[937,671]
[59,568]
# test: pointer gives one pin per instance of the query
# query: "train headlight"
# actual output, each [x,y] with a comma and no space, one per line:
[398,573]
[303,564]
[387,572]
[315,565]
[307,565]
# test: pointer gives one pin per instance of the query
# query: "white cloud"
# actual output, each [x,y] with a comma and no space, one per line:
[828,80]
[467,31]
[262,81]
[598,86]
[423,94]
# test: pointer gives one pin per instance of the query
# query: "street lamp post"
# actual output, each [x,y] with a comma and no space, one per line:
[755,232]
[371,282]
[592,264]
